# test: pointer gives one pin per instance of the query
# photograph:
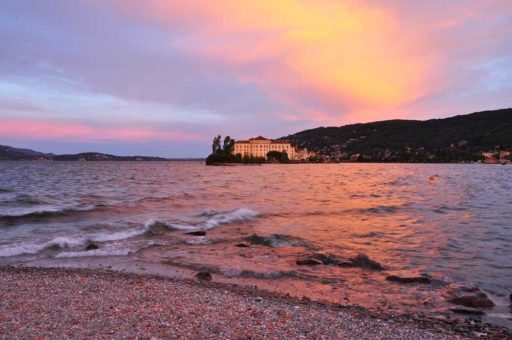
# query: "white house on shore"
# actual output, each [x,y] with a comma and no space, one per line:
[260,146]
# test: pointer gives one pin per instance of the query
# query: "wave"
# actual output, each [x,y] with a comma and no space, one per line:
[34,248]
[102,252]
[238,215]
[60,243]
[368,235]
[208,213]
[446,209]
[247,273]
[2,189]
[30,200]
[379,210]
[47,211]
[383,209]
[24,200]
[152,227]
[275,240]
[166,198]
[199,242]
[96,252]
[184,227]
[216,219]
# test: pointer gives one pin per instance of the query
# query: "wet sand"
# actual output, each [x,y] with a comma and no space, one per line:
[85,303]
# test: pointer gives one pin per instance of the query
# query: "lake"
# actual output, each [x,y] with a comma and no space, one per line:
[448,223]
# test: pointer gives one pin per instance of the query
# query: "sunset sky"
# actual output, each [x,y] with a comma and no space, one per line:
[162,77]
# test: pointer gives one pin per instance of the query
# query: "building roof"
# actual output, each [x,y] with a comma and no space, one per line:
[279,141]
[272,141]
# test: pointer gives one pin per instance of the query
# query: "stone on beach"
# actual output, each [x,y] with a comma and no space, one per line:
[362,261]
[91,246]
[197,233]
[157,228]
[468,296]
[308,262]
[326,259]
[467,311]
[256,239]
[406,276]
[275,240]
[204,276]
[316,259]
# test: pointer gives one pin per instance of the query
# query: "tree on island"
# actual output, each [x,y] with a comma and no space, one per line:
[229,145]
[216,149]
[223,153]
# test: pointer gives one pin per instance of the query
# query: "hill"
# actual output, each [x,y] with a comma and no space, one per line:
[10,153]
[13,154]
[456,139]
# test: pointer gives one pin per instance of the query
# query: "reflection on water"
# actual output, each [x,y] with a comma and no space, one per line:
[450,222]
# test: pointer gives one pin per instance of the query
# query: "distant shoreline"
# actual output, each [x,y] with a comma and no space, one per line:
[108,160]
[235,164]
[9,153]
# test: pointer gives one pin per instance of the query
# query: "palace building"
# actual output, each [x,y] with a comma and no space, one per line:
[260,146]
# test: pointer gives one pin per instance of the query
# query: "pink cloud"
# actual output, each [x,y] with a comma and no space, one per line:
[82,132]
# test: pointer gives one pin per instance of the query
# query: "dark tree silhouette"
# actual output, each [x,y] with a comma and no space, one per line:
[281,157]
[216,149]
[229,145]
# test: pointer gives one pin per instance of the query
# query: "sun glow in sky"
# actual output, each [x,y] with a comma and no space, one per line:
[161,77]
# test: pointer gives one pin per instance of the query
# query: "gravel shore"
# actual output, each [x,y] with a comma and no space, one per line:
[79,303]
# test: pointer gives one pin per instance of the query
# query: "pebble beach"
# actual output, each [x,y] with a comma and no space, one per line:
[83,303]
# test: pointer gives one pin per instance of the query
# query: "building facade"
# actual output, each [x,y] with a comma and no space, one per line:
[260,146]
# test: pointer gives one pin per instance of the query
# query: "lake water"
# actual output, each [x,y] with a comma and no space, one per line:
[450,222]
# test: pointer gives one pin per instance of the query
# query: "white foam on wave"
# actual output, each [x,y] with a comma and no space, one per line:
[61,242]
[69,242]
[196,242]
[154,224]
[39,210]
[96,252]
[184,227]
[34,248]
[42,210]
[238,215]
[120,235]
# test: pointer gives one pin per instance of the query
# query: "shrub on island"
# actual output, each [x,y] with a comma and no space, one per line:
[276,156]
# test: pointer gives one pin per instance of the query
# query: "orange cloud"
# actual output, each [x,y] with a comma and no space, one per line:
[345,54]
[71,131]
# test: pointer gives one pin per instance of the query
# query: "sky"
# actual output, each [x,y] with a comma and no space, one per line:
[163,77]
